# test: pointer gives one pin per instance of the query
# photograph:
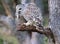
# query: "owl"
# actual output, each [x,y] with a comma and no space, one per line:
[32,15]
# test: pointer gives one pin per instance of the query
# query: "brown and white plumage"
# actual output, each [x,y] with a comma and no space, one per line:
[32,14]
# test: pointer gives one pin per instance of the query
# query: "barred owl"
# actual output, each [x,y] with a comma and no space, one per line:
[32,15]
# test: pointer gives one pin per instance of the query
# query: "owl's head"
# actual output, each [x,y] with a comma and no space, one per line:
[19,9]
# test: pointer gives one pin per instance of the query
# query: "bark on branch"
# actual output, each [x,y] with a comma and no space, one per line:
[46,31]
[41,30]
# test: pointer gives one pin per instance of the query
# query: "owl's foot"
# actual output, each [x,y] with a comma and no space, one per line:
[28,23]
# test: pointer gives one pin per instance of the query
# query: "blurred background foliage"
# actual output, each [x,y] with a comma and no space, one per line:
[12,4]
[6,36]
[45,4]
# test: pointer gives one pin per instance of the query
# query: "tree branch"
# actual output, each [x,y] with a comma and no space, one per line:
[46,31]
[41,30]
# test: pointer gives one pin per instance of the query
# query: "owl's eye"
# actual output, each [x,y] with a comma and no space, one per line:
[20,8]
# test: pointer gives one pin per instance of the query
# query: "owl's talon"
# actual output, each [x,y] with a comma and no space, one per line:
[26,24]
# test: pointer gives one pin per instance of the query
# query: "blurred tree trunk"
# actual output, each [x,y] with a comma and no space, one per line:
[7,8]
[37,38]
[54,9]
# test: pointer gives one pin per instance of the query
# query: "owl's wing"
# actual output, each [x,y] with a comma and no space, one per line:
[32,12]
